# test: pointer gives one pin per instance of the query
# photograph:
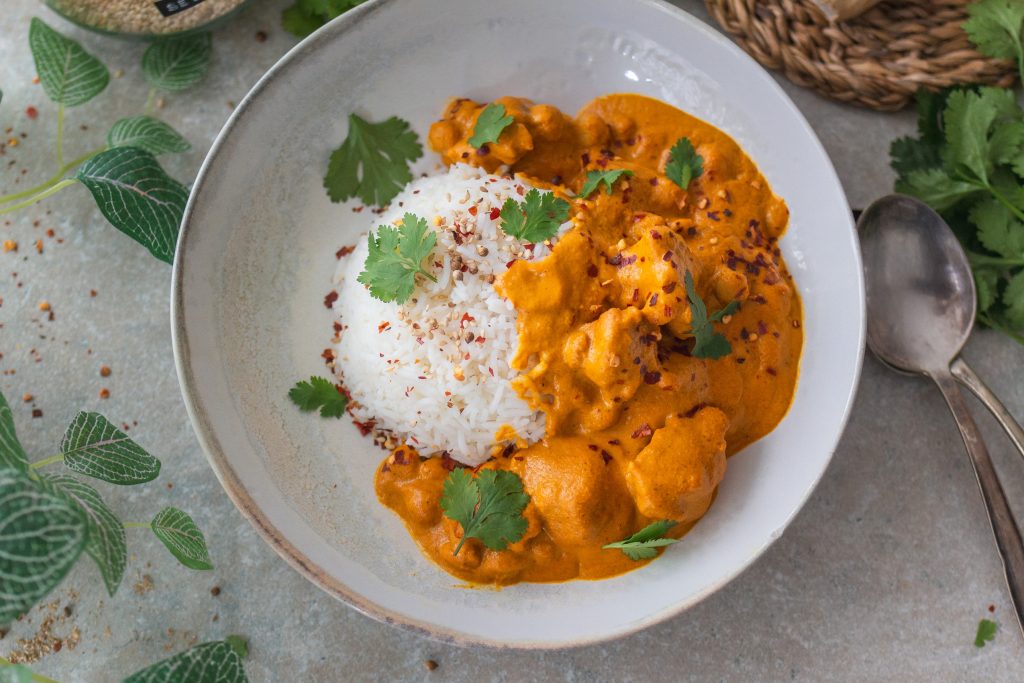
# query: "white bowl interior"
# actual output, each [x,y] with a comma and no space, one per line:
[257,256]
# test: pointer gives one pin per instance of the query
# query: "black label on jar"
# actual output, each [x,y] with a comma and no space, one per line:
[169,7]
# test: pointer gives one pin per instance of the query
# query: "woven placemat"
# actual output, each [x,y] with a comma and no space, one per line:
[877,60]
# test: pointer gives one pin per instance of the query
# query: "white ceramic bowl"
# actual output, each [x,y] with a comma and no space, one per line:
[255,259]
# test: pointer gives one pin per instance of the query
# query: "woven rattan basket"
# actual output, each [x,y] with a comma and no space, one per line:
[878,59]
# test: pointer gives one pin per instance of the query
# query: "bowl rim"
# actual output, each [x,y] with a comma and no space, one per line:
[226,474]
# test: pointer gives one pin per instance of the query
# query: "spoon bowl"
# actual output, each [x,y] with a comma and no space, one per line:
[920,292]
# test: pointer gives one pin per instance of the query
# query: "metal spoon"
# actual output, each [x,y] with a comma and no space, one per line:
[921,304]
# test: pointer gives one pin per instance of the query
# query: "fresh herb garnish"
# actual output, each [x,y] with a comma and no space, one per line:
[986,632]
[684,164]
[395,259]
[642,545]
[595,178]
[489,124]
[489,506]
[48,520]
[319,393]
[707,342]
[130,188]
[306,16]
[535,219]
[996,28]
[373,162]
[219,660]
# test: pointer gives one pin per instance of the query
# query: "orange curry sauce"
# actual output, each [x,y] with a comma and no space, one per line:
[638,430]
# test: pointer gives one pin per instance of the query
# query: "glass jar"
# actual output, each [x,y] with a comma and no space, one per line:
[146,19]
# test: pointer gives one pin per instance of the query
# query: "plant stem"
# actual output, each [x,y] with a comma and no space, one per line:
[54,178]
[1006,202]
[149,101]
[38,678]
[60,134]
[137,525]
[977,259]
[47,461]
[39,197]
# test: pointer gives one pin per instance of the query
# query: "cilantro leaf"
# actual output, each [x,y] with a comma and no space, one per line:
[995,26]
[986,282]
[684,164]
[373,162]
[998,229]
[986,632]
[319,393]
[595,178]
[306,16]
[968,118]
[535,219]
[642,544]
[395,258]
[707,342]
[1013,300]
[489,506]
[934,187]
[489,124]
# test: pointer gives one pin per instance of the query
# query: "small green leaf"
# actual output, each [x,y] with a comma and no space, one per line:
[643,544]
[595,178]
[684,164]
[535,219]
[319,393]
[96,448]
[306,16]
[17,673]
[706,342]
[179,533]
[137,197]
[986,632]
[239,645]
[214,662]
[1013,299]
[488,507]
[177,63]
[106,543]
[489,124]
[934,187]
[148,134]
[373,162]
[69,75]
[395,258]
[986,282]
[11,452]
[41,536]
[995,27]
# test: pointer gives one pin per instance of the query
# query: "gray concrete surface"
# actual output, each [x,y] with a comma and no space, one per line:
[883,576]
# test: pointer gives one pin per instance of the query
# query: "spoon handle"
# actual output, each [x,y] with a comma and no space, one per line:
[965,374]
[1004,526]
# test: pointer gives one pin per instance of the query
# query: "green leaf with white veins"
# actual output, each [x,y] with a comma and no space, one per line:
[214,662]
[177,63]
[148,134]
[179,533]
[137,197]
[96,448]
[11,452]
[69,75]
[106,543]
[41,536]
[19,673]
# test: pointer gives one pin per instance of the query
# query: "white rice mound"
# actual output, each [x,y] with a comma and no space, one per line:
[413,369]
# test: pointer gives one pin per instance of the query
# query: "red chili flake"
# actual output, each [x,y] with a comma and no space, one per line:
[331,297]
[31,112]
[383,326]
[344,251]
[483,150]
[668,311]
[36,412]
[741,360]
[592,447]
[691,231]
[585,158]
[465,155]
[992,608]
[520,190]
[615,260]
[771,371]
[529,247]
[643,431]
[668,256]
[327,355]
[592,270]
[762,329]
[728,213]
[466,318]
[508,450]
[383,468]
[509,264]
[494,214]
[694,410]
[613,442]
[636,295]
[606,456]
[472,210]
[629,260]
[669,288]
[364,427]
[337,327]
[490,370]
[480,340]
[654,299]
[400,456]
[447,462]
[261,36]
[654,233]
[652,377]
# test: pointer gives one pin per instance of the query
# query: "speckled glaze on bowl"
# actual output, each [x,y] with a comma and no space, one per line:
[256,255]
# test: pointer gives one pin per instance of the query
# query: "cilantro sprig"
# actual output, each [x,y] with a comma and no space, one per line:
[395,259]
[306,16]
[643,544]
[373,161]
[684,164]
[319,393]
[595,178]
[489,124]
[996,27]
[986,632]
[707,342]
[488,507]
[534,219]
